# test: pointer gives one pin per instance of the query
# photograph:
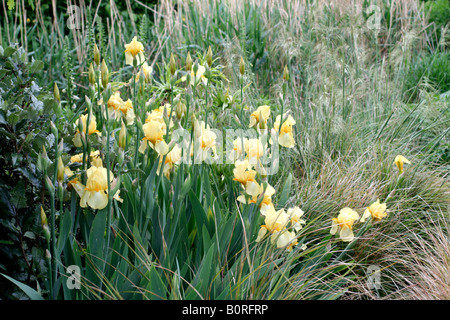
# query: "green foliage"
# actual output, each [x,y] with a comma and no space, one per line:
[185,235]
[438,13]
[25,110]
[432,68]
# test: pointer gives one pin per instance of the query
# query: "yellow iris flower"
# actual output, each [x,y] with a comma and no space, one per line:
[376,210]
[344,224]
[242,172]
[78,158]
[92,128]
[134,49]
[261,114]
[295,214]
[275,224]
[118,108]
[95,193]
[286,137]
[158,115]
[154,132]
[205,141]
[266,203]
[146,70]
[285,239]
[199,75]
[399,160]
[238,148]
[172,158]
[254,150]
[275,221]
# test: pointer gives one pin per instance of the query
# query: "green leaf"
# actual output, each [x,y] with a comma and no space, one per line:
[66,226]
[97,233]
[36,66]
[186,187]
[199,212]
[9,51]
[206,271]
[156,286]
[285,192]
[29,235]
[30,292]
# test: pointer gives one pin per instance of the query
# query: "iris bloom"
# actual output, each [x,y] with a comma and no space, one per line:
[172,158]
[95,193]
[159,114]
[134,49]
[376,210]
[146,70]
[243,173]
[295,214]
[92,128]
[254,150]
[199,75]
[205,141]
[118,108]
[154,132]
[344,224]
[285,239]
[94,157]
[127,111]
[238,148]
[267,203]
[155,128]
[115,101]
[286,137]
[399,160]
[261,115]
[274,222]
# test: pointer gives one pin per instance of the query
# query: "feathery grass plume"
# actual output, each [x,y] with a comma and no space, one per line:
[143,27]
[101,36]
[90,33]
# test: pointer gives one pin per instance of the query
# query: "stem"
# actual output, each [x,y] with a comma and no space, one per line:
[108,177]
[53,209]
[187,110]
[206,98]
[108,169]
[138,132]
[241,80]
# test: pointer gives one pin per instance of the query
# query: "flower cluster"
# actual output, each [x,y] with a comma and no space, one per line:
[95,193]
[348,217]
[376,211]
[248,153]
[280,224]
[117,108]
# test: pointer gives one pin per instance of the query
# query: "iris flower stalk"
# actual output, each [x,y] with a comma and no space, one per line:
[54,128]
[106,94]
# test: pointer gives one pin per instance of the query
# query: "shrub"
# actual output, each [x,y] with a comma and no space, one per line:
[24,115]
